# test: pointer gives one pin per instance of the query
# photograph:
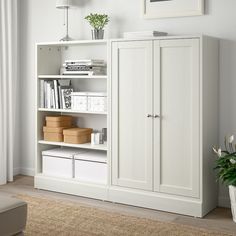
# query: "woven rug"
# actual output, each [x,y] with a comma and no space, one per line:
[61,218]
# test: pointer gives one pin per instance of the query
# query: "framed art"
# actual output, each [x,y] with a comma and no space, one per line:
[172,8]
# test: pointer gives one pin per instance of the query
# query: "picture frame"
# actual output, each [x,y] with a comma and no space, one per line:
[152,9]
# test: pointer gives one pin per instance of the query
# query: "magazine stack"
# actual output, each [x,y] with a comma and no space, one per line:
[88,67]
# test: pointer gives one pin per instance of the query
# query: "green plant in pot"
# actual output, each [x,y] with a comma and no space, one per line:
[98,22]
[226,169]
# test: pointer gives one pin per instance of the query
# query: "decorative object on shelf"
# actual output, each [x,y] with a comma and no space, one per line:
[226,167]
[53,134]
[89,101]
[97,138]
[144,34]
[77,135]
[172,8]
[53,131]
[104,135]
[59,121]
[98,22]
[65,5]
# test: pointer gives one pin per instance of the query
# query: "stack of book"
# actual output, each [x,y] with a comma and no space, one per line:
[84,67]
[55,94]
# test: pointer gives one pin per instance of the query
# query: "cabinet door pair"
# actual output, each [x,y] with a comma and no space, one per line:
[156,115]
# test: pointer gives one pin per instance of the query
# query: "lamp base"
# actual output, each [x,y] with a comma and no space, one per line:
[66,38]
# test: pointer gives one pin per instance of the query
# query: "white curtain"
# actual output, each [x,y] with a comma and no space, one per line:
[8,87]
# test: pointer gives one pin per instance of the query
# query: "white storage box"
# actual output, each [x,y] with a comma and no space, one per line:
[89,101]
[91,167]
[97,102]
[79,101]
[59,162]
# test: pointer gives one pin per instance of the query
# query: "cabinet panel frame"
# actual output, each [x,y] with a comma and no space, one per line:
[116,180]
[194,190]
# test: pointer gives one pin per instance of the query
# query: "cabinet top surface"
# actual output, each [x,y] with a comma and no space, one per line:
[106,41]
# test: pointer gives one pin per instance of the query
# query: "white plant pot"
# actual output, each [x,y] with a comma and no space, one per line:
[232,194]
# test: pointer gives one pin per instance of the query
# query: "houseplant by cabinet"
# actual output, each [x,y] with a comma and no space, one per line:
[226,166]
[98,22]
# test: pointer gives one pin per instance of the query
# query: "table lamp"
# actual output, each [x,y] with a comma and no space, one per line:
[65,4]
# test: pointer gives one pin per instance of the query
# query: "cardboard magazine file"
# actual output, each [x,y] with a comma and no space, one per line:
[59,121]
[53,134]
[77,135]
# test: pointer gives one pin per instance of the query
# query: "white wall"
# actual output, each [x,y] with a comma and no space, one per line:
[41,21]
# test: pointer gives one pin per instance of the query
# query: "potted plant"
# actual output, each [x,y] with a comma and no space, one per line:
[98,22]
[226,169]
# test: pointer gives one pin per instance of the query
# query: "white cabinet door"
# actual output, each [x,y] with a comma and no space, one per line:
[177,143]
[132,96]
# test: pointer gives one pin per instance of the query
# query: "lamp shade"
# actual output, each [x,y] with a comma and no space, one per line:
[62,4]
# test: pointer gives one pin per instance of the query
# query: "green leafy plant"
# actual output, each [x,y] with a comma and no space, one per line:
[97,21]
[226,162]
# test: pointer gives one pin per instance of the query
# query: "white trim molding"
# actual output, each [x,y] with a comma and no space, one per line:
[27,171]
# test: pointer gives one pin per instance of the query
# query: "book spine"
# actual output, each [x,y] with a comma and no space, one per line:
[60,97]
[56,94]
[48,95]
[41,93]
[53,105]
[63,99]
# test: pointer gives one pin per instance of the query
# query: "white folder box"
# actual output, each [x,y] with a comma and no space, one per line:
[59,162]
[91,167]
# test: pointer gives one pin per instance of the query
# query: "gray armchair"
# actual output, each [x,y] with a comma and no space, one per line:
[13,215]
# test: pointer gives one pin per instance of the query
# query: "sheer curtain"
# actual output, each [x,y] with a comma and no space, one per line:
[8,87]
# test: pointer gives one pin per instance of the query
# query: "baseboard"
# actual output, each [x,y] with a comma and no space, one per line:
[224,202]
[27,171]
[17,171]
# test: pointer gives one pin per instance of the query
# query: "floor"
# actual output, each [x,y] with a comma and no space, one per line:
[219,220]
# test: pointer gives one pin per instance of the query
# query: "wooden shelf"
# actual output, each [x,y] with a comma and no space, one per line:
[101,147]
[72,77]
[71,111]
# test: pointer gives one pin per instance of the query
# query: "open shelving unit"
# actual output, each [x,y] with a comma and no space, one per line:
[49,58]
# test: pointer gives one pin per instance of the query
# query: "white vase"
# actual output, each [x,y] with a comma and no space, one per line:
[232,194]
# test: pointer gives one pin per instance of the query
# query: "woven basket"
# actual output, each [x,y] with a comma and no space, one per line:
[232,193]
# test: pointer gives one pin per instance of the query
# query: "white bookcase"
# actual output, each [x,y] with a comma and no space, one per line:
[162,120]
[49,59]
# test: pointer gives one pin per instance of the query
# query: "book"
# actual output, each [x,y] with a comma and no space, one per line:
[60,97]
[87,62]
[64,82]
[48,95]
[65,96]
[42,105]
[56,94]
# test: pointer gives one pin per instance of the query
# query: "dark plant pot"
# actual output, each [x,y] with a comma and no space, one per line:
[97,34]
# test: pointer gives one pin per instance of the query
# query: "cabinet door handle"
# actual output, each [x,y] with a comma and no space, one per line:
[149,116]
[156,116]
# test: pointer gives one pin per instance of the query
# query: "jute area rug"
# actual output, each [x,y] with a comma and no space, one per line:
[60,218]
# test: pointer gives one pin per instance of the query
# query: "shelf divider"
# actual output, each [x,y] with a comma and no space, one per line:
[72,76]
[71,111]
[102,147]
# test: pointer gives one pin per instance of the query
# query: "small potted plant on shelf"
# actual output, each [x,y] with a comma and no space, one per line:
[98,22]
[226,169]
